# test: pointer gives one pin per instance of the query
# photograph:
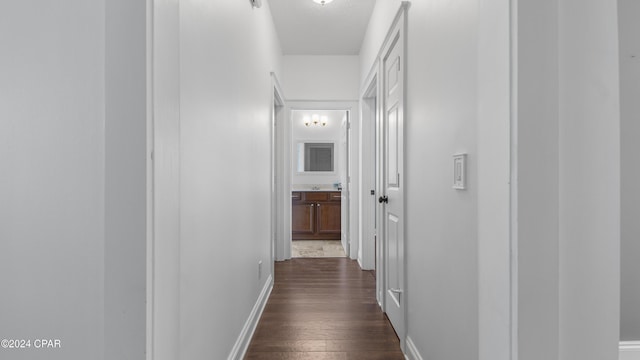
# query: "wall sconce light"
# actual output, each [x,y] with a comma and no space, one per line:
[322,2]
[315,119]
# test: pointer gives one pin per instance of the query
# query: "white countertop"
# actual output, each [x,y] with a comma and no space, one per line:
[313,188]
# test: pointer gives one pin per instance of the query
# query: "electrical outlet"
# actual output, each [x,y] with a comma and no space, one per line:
[259,269]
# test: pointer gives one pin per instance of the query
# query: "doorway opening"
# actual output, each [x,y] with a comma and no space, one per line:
[319,183]
[369,247]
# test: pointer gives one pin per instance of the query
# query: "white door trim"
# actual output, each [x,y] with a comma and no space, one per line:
[373,80]
[399,24]
[150,331]
[629,350]
[369,113]
[346,105]
[496,184]
[163,194]
[278,180]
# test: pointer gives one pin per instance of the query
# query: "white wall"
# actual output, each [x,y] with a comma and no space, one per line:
[536,185]
[629,12]
[321,78]
[381,18]
[227,51]
[568,172]
[166,178]
[494,171]
[72,153]
[333,131]
[589,180]
[52,184]
[126,179]
[441,240]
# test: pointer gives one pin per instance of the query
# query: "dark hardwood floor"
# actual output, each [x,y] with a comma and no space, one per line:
[323,308]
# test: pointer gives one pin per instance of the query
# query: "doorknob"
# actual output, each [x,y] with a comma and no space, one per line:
[383,199]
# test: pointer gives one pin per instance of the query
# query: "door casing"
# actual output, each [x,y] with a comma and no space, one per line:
[368,160]
[284,245]
[278,180]
[397,33]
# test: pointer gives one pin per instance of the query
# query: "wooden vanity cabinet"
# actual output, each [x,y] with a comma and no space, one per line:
[315,215]
[302,220]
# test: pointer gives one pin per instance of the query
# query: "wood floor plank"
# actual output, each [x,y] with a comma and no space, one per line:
[323,309]
[298,355]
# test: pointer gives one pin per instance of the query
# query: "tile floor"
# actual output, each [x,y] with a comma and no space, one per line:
[317,248]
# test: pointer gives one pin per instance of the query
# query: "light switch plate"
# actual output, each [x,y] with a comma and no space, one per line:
[460,171]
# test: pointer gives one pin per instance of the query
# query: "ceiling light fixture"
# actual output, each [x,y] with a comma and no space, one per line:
[322,2]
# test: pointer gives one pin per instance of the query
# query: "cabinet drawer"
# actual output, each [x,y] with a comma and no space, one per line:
[335,196]
[316,196]
[296,196]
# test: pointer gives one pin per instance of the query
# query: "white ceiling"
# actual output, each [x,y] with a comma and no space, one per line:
[307,28]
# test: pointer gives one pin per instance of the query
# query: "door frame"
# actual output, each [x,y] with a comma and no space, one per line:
[395,37]
[369,110]
[399,24]
[352,107]
[278,182]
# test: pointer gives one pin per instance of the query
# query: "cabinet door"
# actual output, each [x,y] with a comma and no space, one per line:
[329,219]
[302,219]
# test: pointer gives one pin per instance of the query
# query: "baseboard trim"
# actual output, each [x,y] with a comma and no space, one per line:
[629,350]
[241,345]
[412,351]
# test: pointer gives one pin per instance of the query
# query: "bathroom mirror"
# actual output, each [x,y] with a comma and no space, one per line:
[316,157]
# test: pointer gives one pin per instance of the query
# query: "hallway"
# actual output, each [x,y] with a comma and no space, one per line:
[146,151]
[323,309]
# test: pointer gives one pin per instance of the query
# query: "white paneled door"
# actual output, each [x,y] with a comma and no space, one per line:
[392,176]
